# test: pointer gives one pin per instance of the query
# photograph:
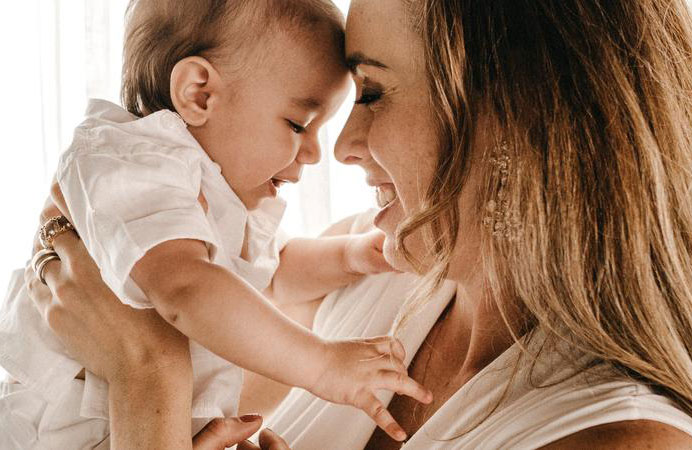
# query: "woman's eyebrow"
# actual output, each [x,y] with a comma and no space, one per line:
[357,58]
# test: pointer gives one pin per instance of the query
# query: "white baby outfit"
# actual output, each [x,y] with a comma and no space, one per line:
[130,183]
[546,402]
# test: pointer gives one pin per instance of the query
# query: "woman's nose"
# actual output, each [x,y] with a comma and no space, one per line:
[352,145]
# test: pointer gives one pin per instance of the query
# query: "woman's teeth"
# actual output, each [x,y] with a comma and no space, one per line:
[385,195]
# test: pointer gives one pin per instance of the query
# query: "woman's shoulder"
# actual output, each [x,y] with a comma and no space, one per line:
[625,435]
[573,401]
[597,405]
[556,399]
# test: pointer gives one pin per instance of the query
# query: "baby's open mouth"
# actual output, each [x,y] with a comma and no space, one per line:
[277,182]
[386,194]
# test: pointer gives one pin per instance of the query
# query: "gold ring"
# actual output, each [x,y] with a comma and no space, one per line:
[39,261]
[54,227]
[38,257]
[42,266]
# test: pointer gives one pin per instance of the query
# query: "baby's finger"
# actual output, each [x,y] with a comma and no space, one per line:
[393,346]
[395,364]
[378,263]
[404,385]
[377,412]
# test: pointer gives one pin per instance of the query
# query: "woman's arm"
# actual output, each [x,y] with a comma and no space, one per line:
[145,361]
[151,411]
[150,390]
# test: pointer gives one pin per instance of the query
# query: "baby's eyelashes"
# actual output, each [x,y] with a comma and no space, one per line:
[298,129]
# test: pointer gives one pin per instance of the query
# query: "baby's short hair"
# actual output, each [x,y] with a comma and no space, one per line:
[159,33]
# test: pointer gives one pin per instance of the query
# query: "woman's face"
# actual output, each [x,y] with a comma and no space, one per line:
[391,132]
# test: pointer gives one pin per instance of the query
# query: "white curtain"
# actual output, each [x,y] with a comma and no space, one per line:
[58,53]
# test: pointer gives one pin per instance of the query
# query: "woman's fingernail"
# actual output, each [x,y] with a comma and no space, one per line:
[250,417]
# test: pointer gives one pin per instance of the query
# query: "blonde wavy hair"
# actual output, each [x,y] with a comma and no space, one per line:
[593,99]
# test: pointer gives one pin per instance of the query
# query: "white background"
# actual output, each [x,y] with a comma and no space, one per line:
[58,53]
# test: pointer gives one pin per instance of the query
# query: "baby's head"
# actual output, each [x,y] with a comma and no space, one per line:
[253,79]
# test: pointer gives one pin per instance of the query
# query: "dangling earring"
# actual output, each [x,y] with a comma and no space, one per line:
[501,219]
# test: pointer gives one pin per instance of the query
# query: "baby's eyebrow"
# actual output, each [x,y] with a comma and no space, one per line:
[310,103]
[357,58]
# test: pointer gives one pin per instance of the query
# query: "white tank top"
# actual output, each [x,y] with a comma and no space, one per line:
[529,416]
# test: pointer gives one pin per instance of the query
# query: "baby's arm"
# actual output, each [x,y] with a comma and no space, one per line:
[311,268]
[224,314]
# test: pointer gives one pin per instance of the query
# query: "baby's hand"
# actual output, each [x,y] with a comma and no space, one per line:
[363,254]
[353,370]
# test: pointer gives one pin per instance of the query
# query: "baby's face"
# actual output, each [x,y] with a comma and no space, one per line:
[265,126]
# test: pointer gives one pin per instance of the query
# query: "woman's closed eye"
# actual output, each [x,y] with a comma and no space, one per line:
[369,96]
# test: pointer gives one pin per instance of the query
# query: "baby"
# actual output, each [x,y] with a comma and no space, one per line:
[176,200]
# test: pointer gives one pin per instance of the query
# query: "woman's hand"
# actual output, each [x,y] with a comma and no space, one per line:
[222,433]
[145,361]
[268,440]
[109,338]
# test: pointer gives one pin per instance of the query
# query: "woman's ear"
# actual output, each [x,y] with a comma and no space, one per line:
[194,89]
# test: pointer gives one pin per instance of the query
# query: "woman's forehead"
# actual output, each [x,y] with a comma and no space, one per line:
[379,31]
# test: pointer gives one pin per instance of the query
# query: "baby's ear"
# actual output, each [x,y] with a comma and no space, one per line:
[194,89]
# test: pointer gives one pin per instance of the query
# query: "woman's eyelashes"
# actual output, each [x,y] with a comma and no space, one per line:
[370,93]
[368,97]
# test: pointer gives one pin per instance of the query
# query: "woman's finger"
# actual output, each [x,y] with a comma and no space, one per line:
[59,200]
[69,247]
[51,273]
[222,433]
[38,292]
[377,412]
[269,440]
[247,445]
[404,385]
[49,210]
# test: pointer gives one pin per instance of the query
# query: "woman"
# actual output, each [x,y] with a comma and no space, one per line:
[535,155]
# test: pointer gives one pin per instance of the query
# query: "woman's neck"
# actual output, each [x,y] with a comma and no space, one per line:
[475,326]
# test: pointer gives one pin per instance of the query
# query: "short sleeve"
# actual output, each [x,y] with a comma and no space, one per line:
[125,204]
